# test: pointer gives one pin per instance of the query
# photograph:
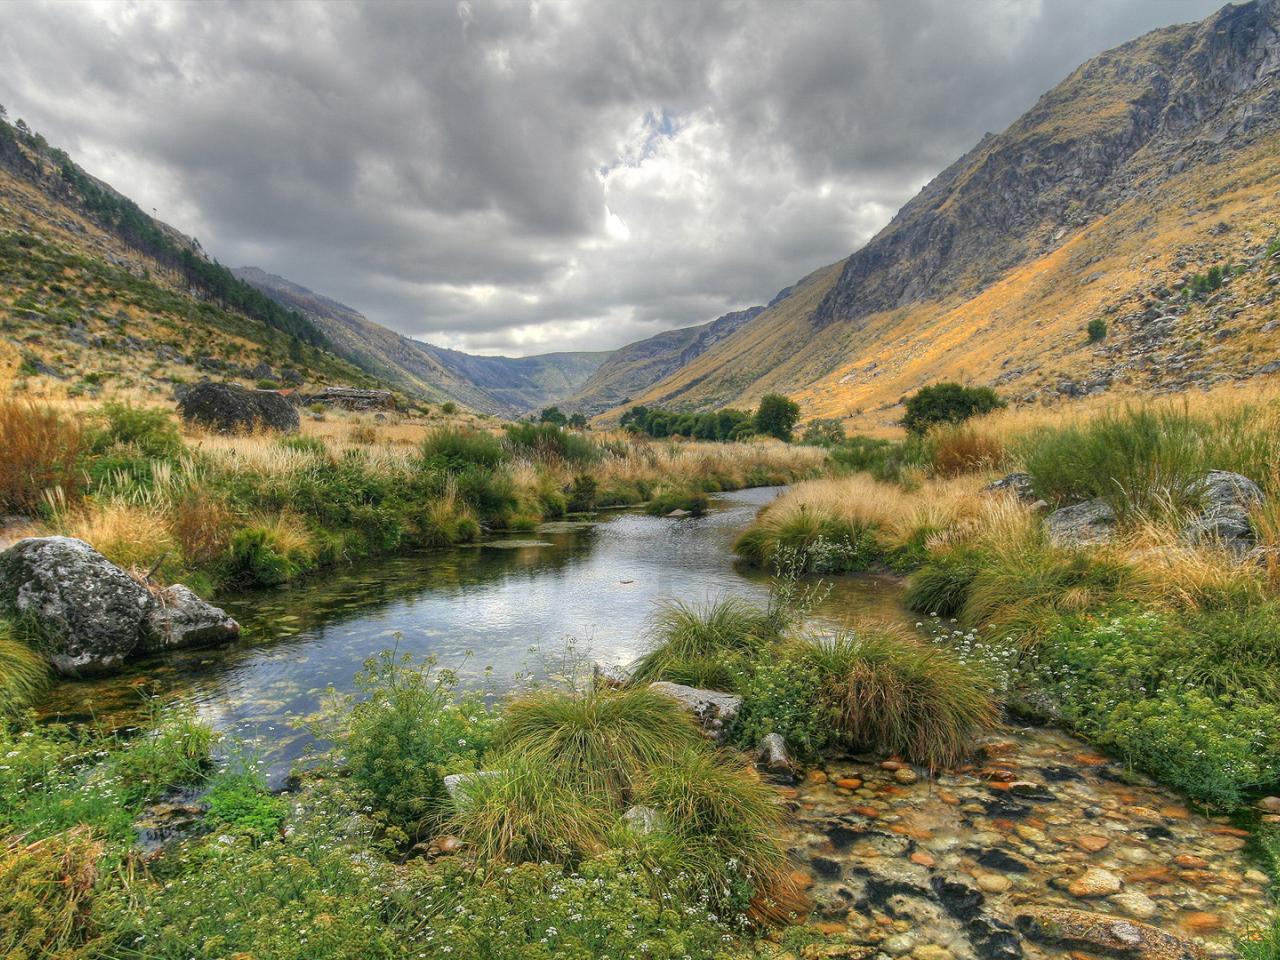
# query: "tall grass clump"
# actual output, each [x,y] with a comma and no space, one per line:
[551,443]
[151,432]
[598,742]
[47,891]
[941,587]
[24,674]
[705,641]
[956,449]
[42,449]
[453,450]
[900,697]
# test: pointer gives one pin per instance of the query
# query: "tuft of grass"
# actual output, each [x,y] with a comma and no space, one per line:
[956,449]
[685,636]
[455,450]
[42,453]
[942,585]
[901,697]
[129,536]
[525,813]
[47,896]
[24,674]
[596,743]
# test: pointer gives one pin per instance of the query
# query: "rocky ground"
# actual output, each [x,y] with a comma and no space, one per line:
[1044,849]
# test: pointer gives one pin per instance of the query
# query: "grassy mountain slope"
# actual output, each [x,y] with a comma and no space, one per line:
[84,301]
[509,386]
[637,366]
[1150,164]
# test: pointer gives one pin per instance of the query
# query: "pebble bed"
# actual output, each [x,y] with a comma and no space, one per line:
[948,868]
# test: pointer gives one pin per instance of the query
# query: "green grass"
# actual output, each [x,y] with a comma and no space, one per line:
[942,585]
[901,698]
[599,743]
[687,637]
[24,674]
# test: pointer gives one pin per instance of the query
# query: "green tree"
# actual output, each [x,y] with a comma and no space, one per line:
[553,415]
[578,422]
[777,415]
[948,403]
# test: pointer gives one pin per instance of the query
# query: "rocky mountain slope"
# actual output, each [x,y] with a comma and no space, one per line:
[1113,198]
[637,366]
[509,386]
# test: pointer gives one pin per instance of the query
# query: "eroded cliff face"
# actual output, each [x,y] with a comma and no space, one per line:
[1120,123]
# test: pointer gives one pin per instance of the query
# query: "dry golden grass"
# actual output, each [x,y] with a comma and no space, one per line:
[40,447]
[133,537]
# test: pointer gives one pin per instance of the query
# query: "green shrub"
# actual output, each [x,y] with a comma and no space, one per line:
[1096,330]
[776,416]
[408,733]
[490,493]
[257,558]
[823,432]
[153,433]
[783,696]
[239,801]
[455,450]
[900,697]
[550,442]
[583,494]
[947,403]
[599,742]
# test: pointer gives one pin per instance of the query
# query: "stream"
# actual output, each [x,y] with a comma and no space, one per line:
[523,605]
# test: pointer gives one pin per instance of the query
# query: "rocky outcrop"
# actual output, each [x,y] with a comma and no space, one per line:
[1226,500]
[1020,485]
[713,709]
[1080,524]
[1108,934]
[90,616]
[178,618]
[349,398]
[230,408]
[86,611]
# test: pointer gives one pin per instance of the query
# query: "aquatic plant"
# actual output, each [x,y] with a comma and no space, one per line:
[684,636]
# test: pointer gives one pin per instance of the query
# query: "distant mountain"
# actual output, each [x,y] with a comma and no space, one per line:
[1148,167]
[634,368]
[508,386]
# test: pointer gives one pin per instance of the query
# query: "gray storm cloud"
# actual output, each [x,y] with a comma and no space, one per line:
[523,177]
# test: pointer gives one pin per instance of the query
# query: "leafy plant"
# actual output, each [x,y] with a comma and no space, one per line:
[948,403]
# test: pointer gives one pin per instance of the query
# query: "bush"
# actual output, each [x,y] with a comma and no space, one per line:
[783,696]
[948,403]
[728,630]
[408,733]
[776,416]
[901,698]
[1096,330]
[819,544]
[453,450]
[550,443]
[268,553]
[584,493]
[599,743]
[956,450]
[823,432]
[42,451]
[153,433]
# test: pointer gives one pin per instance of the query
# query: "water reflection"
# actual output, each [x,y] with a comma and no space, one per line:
[509,604]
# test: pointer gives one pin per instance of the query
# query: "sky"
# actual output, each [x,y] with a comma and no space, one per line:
[537,175]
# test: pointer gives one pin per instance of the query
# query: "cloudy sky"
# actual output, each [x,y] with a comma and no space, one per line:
[518,177]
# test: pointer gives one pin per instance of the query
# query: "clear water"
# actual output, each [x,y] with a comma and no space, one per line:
[511,605]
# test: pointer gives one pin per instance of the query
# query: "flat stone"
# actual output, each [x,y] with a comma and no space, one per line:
[905,775]
[1135,904]
[993,882]
[1102,932]
[931,951]
[1092,843]
[713,709]
[1095,882]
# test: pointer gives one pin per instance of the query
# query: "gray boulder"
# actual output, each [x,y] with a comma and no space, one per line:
[1091,522]
[1226,500]
[713,709]
[773,758]
[87,611]
[1019,484]
[178,618]
[230,408]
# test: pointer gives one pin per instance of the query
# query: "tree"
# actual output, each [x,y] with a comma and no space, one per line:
[823,432]
[776,416]
[578,422]
[553,415]
[1097,330]
[948,403]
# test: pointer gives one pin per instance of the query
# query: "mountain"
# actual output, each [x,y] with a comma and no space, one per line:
[509,386]
[637,366]
[1115,197]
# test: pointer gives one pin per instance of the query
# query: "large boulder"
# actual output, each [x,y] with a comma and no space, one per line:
[230,408]
[178,618]
[1226,499]
[1103,934]
[87,612]
[1091,522]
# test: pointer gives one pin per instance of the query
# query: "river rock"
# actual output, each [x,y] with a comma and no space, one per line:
[1226,500]
[1135,904]
[643,820]
[86,611]
[1269,804]
[713,709]
[230,408]
[178,618]
[1091,522]
[1096,931]
[1095,882]
[773,758]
